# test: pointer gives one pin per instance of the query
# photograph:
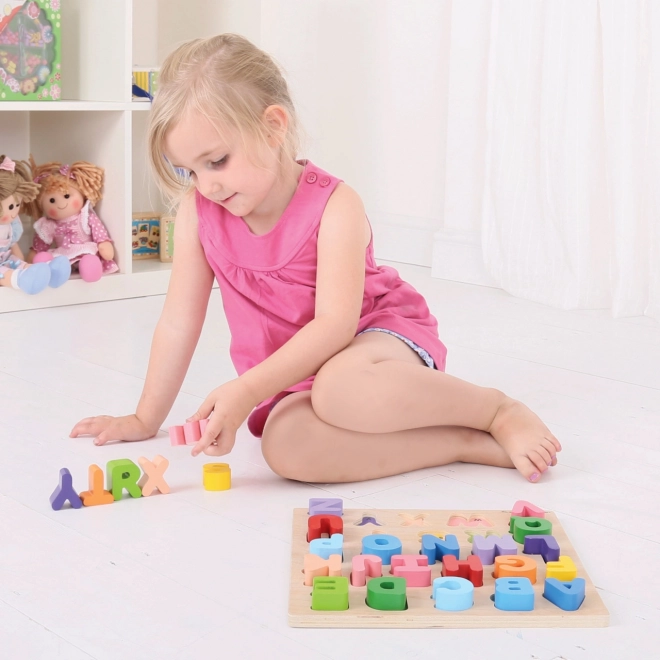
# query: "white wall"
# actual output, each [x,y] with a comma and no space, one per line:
[370,80]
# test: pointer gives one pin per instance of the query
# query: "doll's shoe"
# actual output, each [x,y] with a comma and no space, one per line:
[60,270]
[90,268]
[42,258]
[33,279]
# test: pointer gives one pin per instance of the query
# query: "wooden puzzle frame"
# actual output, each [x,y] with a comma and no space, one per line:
[408,526]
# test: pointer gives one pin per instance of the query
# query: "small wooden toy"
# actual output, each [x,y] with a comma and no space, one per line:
[326,547]
[122,474]
[187,434]
[525,509]
[330,594]
[96,494]
[152,475]
[515,566]
[487,547]
[414,569]
[384,546]
[435,548]
[514,594]
[65,492]
[216,476]
[380,597]
[567,596]
[544,545]
[453,594]
[325,505]
[522,527]
[166,250]
[470,569]
[146,235]
[315,566]
[564,569]
[387,594]
[321,524]
[363,566]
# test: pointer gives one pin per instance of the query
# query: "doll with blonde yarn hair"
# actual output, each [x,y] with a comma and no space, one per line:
[17,188]
[67,224]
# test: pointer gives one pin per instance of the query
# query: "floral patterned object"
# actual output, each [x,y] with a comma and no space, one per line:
[30,32]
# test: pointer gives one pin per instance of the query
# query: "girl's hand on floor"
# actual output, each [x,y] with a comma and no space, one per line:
[106,428]
[230,404]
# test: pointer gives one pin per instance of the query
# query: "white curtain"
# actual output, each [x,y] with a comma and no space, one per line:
[571,202]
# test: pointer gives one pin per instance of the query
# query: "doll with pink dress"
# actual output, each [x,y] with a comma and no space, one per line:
[17,189]
[67,224]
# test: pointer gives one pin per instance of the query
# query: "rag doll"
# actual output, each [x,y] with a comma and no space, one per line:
[16,189]
[67,224]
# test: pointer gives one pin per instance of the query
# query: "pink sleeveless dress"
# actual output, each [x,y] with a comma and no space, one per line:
[268,283]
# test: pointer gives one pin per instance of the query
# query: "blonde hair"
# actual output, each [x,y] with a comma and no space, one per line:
[228,79]
[85,177]
[17,182]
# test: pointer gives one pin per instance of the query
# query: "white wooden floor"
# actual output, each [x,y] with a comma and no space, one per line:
[170,576]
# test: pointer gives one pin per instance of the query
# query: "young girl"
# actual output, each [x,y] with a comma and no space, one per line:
[339,362]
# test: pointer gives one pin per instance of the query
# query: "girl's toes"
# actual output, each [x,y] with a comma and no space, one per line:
[537,458]
[553,462]
[526,468]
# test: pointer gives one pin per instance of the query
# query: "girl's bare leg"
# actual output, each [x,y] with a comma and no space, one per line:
[298,445]
[379,385]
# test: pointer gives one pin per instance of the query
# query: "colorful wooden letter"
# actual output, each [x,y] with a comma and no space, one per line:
[321,524]
[315,566]
[564,569]
[384,546]
[326,547]
[544,545]
[191,432]
[177,436]
[453,594]
[414,569]
[435,549]
[487,548]
[96,493]
[471,569]
[122,473]
[526,509]
[330,594]
[523,527]
[387,593]
[216,476]
[515,566]
[326,505]
[64,491]
[565,595]
[363,566]
[152,478]
[514,594]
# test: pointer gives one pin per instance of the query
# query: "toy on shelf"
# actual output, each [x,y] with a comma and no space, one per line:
[67,224]
[145,82]
[30,52]
[146,235]
[166,253]
[17,188]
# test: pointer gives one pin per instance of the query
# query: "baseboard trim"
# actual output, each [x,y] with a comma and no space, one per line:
[457,256]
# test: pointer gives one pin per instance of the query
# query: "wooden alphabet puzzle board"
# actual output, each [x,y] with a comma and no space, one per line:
[408,526]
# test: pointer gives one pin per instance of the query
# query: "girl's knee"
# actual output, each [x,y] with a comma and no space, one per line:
[286,438]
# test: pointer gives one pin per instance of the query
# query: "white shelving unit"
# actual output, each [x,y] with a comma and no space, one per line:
[97,121]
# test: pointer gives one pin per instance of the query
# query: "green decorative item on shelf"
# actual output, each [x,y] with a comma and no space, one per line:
[166,238]
[30,50]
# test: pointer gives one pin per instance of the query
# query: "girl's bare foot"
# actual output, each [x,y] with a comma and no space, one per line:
[525,438]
